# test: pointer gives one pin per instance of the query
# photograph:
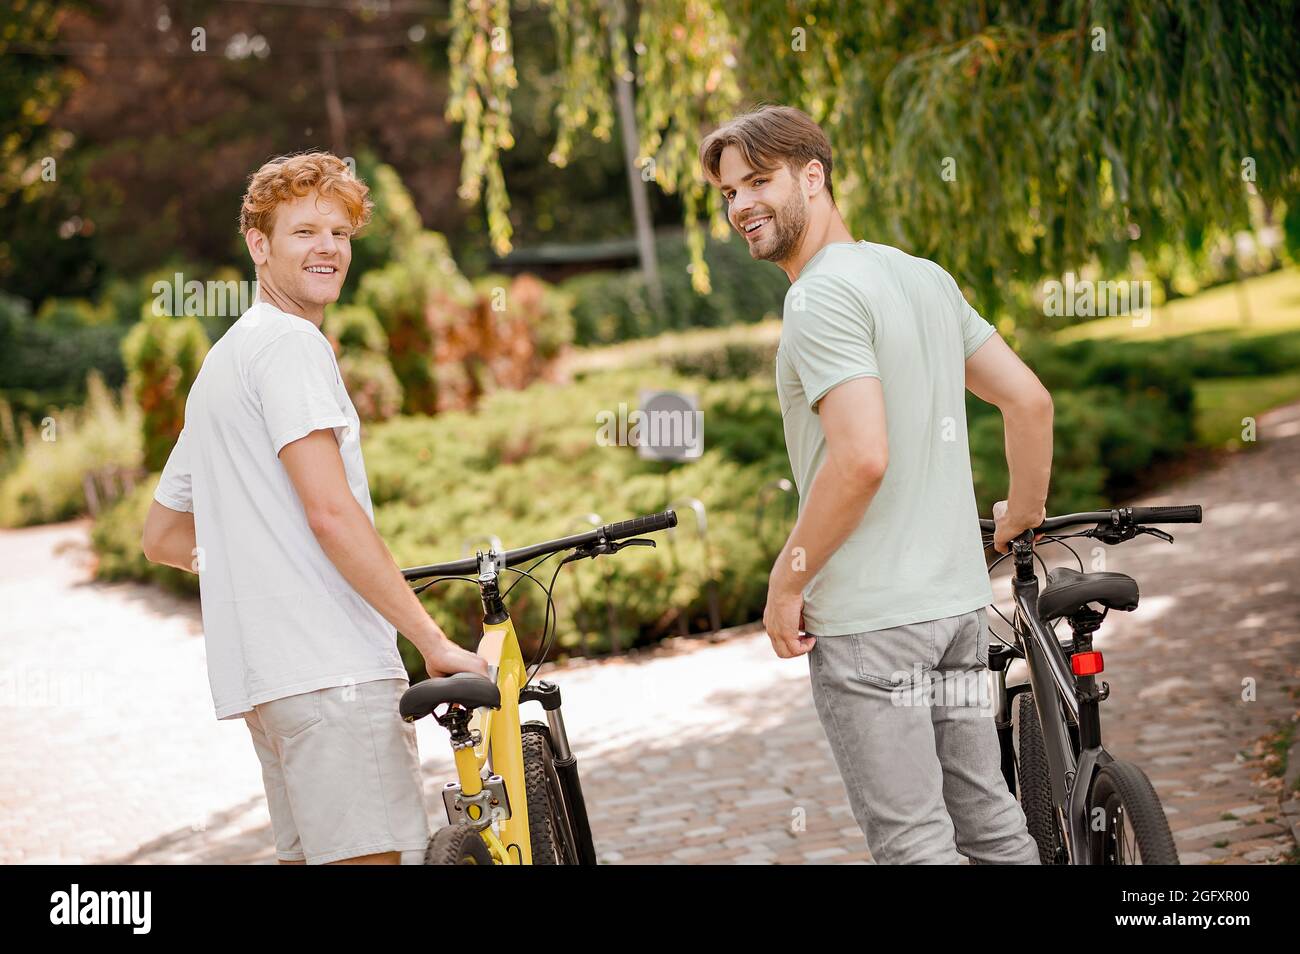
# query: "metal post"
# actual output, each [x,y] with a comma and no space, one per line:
[702,528]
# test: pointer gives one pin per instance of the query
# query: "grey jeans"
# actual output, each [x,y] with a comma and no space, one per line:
[908,714]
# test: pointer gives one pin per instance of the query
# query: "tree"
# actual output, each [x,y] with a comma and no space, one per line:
[1010,142]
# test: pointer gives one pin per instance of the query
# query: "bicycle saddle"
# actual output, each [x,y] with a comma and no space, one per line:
[1068,590]
[469,689]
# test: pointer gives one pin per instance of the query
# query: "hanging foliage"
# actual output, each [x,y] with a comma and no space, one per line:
[1011,142]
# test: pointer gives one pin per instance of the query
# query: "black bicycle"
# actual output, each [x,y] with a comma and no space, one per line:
[1083,807]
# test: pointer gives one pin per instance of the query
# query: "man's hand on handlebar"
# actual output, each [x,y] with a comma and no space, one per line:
[1007,527]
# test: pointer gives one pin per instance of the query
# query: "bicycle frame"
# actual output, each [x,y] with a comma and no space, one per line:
[501,741]
[494,737]
[1053,685]
[498,740]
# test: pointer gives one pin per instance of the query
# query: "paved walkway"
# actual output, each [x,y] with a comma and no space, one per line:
[693,752]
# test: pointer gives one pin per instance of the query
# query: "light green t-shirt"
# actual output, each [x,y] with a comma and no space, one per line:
[867,310]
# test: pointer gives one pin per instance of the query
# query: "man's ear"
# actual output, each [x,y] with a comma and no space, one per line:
[814,177]
[259,245]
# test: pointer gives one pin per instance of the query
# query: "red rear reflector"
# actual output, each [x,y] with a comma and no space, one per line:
[1087,664]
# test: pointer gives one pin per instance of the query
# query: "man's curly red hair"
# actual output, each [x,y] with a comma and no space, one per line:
[288,177]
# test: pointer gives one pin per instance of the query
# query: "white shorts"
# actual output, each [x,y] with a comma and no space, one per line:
[342,773]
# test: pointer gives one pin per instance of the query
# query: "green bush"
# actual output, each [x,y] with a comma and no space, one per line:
[362,347]
[53,462]
[615,306]
[394,221]
[726,362]
[528,466]
[1201,355]
[115,538]
[164,354]
[45,359]
[354,328]
[409,295]
[375,391]
[1117,412]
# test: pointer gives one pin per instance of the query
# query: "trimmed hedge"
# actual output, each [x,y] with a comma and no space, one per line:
[615,306]
[527,466]
[44,360]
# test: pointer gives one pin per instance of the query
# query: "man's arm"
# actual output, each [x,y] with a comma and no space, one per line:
[857,453]
[995,373]
[352,544]
[168,538]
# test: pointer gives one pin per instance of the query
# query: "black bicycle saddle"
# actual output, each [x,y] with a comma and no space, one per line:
[467,688]
[1068,590]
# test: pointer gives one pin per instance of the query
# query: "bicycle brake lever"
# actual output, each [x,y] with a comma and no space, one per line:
[609,546]
[1156,533]
[635,542]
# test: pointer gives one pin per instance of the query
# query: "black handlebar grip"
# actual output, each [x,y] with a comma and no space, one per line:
[1189,514]
[630,528]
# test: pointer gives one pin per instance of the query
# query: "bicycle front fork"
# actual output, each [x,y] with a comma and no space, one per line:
[566,767]
[1003,703]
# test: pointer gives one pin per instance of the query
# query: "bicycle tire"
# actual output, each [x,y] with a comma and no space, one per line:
[1122,787]
[457,845]
[547,831]
[1034,781]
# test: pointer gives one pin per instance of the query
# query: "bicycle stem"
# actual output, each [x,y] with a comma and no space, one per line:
[1022,548]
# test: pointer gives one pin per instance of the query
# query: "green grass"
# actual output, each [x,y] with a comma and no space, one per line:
[1222,403]
[1267,304]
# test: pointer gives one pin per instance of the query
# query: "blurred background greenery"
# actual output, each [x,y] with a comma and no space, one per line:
[498,303]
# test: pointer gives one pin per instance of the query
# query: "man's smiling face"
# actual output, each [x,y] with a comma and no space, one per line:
[767,207]
[310,249]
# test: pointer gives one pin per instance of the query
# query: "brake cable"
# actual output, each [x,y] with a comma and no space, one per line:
[1128,534]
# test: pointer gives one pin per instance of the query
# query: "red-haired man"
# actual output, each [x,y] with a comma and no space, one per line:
[265,497]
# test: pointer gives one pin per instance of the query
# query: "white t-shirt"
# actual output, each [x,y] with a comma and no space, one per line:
[278,617]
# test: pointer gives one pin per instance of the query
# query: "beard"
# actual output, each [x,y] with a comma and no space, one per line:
[786,232]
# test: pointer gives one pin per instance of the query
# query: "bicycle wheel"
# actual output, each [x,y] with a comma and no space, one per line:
[1034,781]
[548,829]
[457,845]
[1131,828]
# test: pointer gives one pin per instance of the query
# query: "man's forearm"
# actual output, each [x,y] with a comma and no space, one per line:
[178,549]
[834,509]
[1029,459]
[361,556]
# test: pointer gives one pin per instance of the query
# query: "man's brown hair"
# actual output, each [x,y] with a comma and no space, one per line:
[293,176]
[768,137]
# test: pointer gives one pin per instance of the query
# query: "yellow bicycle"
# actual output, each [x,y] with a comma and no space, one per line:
[518,799]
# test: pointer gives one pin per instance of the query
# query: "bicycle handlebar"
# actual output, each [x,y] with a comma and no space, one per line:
[1120,516]
[610,532]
